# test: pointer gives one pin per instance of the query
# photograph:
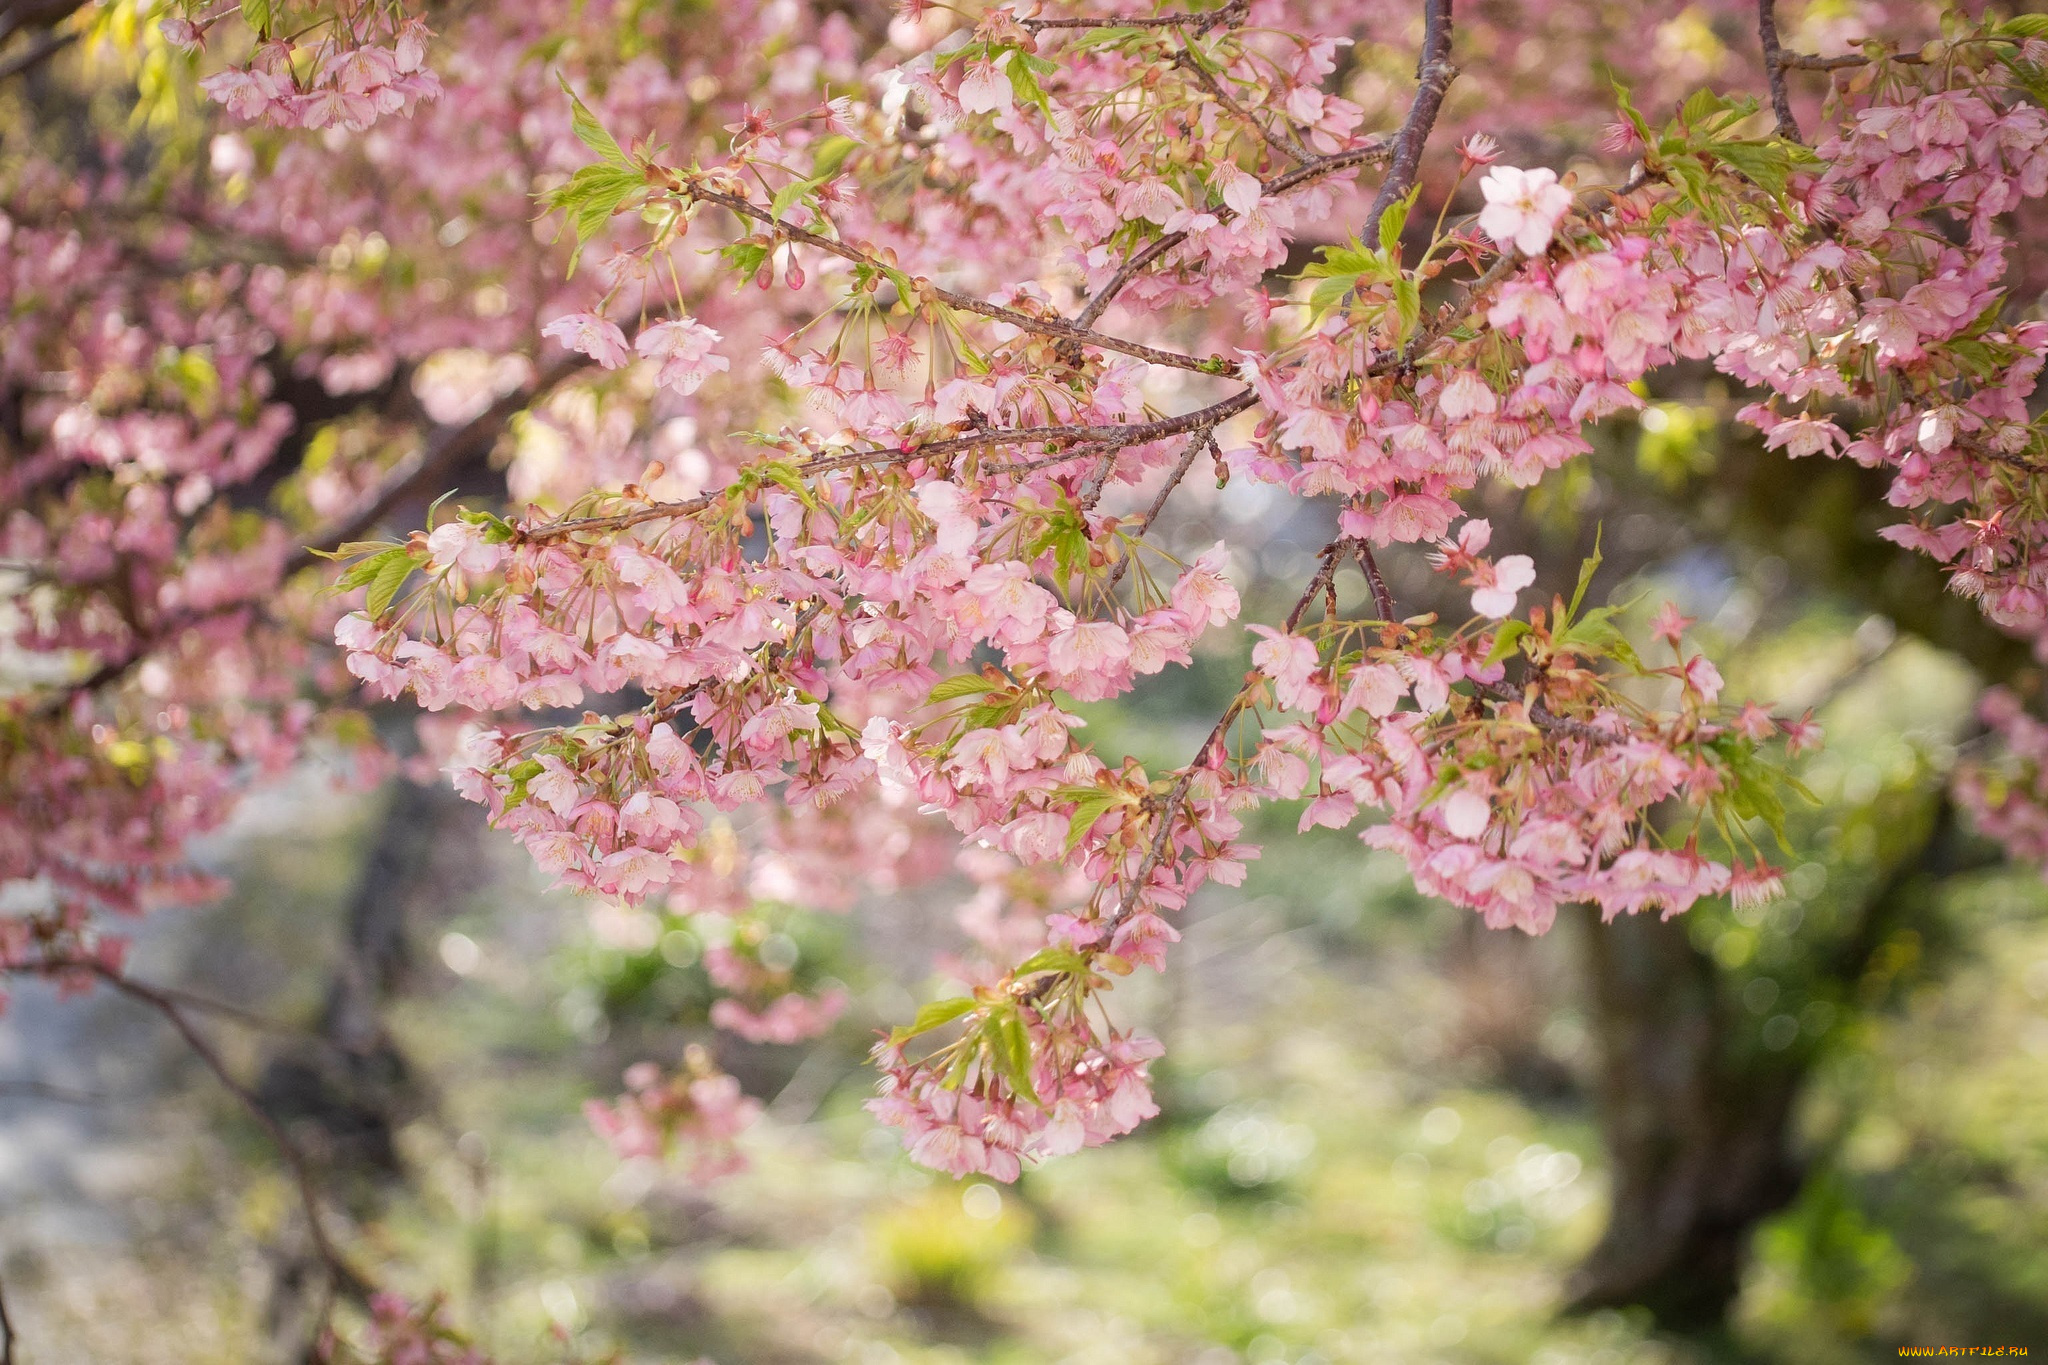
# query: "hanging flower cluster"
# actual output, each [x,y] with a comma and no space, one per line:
[344,66]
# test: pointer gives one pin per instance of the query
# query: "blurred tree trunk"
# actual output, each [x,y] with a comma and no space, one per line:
[1698,1142]
[1695,1113]
[347,1091]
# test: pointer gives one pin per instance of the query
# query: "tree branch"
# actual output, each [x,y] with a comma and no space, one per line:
[1774,68]
[36,53]
[1287,148]
[1176,797]
[1294,179]
[445,452]
[1137,433]
[344,1271]
[1434,74]
[1204,440]
[1078,333]
[1200,23]
[1382,600]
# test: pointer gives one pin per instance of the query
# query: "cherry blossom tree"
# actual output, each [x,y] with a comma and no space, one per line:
[985,297]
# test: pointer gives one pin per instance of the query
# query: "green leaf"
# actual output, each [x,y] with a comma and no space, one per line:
[1633,115]
[789,194]
[1011,1048]
[1408,302]
[1506,640]
[1767,163]
[746,258]
[935,1015]
[1056,959]
[1596,636]
[957,686]
[366,570]
[2023,26]
[1394,220]
[1586,572]
[1699,106]
[1087,810]
[257,14]
[589,130]
[1025,87]
[390,578]
[828,154]
[592,196]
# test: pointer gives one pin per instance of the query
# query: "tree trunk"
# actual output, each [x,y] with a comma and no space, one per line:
[1696,1116]
[1698,1140]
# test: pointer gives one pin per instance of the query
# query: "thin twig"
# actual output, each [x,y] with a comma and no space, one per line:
[1800,61]
[1287,147]
[1381,598]
[1204,440]
[1170,805]
[1159,246]
[1774,68]
[6,1332]
[1060,328]
[43,1090]
[1136,433]
[344,1271]
[1201,23]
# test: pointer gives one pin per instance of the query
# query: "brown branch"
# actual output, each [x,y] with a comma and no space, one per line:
[6,1333]
[344,1271]
[1800,61]
[1774,67]
[1137,433]
[1381,598]
[1287,147]
[1159,246]
[1200,23]
[1545,719]
[35,54]
[1077,333]
[1434,74]
[1206,440]
[1176,797]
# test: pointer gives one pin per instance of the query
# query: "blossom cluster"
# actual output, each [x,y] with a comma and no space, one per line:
[367,66]
[694,1115]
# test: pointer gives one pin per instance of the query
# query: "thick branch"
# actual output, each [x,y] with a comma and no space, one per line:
[1434,73]
[1774,68]
[35,54]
